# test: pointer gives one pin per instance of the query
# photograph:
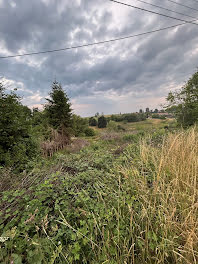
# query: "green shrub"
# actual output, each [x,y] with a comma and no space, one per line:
[112,126]
[17,143]
[102,122]
[89,132]
[157,116]
[93,121]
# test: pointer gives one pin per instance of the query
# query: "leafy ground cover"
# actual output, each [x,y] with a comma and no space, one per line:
[127,198]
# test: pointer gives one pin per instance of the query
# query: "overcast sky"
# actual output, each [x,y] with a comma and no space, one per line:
[123,76]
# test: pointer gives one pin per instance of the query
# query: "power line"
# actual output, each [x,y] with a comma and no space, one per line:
[93,44]
[153,12]
[161,7]
[194,9]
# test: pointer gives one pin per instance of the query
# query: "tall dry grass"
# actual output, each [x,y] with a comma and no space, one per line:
[147,209]
[165,181]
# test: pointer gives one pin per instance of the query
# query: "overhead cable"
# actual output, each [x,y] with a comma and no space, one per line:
[152,12]
[94,43]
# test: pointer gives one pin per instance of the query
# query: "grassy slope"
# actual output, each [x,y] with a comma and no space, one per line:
[126,199]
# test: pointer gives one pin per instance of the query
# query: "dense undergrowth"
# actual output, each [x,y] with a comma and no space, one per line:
[130,199]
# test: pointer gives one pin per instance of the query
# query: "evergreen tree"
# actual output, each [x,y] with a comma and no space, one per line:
[58,109]
[93,121]
[102,122]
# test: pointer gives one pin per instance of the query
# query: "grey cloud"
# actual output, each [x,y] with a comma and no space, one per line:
[140,66]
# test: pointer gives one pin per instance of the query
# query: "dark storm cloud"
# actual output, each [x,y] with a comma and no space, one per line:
[140,67]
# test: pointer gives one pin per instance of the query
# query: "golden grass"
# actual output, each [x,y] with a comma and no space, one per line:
[167,223]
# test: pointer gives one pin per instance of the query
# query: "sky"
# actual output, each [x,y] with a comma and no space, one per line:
[122,76]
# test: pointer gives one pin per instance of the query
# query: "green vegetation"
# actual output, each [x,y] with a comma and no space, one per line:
[17,142]
[58,109]
[93,121]
[119,200]
[158,116]
[184,103]
[133,117]
[24,134]
[121,191]
[102,122]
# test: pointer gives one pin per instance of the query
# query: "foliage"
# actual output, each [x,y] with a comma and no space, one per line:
[184,103]
[112,126]
[133,117]
[40,125]
[93,121]
[102,122]
[58,109]
[79,125]
[17,144]
[89,132]
[96,207]
[158,116]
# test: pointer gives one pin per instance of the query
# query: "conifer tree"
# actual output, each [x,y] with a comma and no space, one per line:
[93,121]
[102,122]
[58,109]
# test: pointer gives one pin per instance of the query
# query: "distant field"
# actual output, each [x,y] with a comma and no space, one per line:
[146,125]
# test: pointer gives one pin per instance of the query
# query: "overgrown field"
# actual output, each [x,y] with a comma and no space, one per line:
[125,197]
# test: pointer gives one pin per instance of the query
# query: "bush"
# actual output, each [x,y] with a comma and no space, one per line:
[120,128]
[89,132]
[93,121]
[128,118]
[102,122]
[157,116]
[17,144]
[79,125]
[112,126]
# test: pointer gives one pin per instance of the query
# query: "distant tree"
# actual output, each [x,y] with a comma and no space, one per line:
[58,109]
[79,125]
[156,111]
[157,116]
[131,117]
[102,122]
[93,121]
[17,145]
[97,114]
[147,110]
[184,102]
[140,111]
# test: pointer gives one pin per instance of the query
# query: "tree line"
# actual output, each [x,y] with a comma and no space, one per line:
[23,132]
[22,129]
